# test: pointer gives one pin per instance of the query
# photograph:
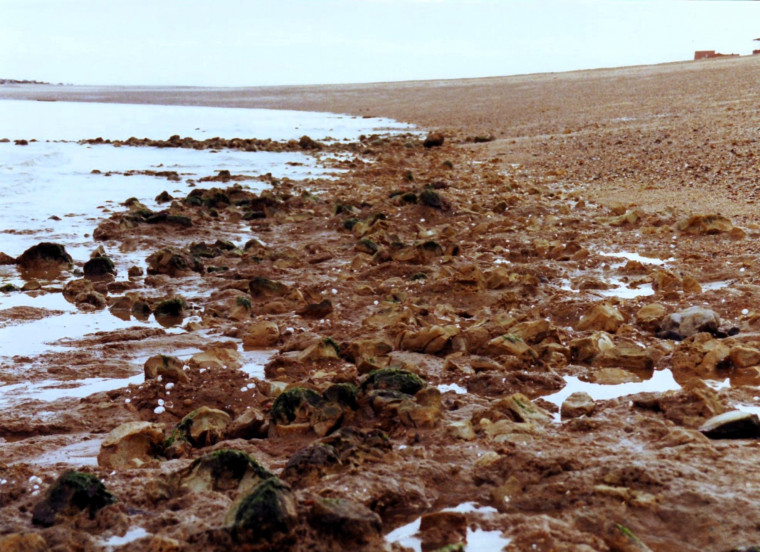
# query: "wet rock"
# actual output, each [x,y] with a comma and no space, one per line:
[424,412]
[134,272]
[440,529]
[23,542]
[576,405]
[98,268]
[45,256]
[665,282]
[264,287]
[521,409]
[217,358]
[433,140]
[510,344]
[171,308]
[223,470]
[732,425]
[430,340]
[744,357]
[614,376]
[71,493]
[535,331]
[161,543]
[90,300]
[299,410]
[6,259]
[168,367]
[649,317]
[324,348]
[307,143]
[262,333]
[251,424]
[461,430]
[316,311]
[707,225]
[691,321]
[431,198]
[601,317]
[367,354]
[202,427]
[131,445]
[700,356]
[266,515]
[689,407]
[173,262]
[626,354]
[393,379]
[346,520]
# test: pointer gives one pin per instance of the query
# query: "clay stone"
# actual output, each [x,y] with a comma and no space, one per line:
[602,317]
[131,445]
[576,405]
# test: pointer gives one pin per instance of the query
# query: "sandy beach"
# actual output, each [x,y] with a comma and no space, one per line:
[531,325]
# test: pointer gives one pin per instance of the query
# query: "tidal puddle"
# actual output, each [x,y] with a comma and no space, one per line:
[255,360]
[661,380]
[132,534]
[53,390]
[477,539]
[632,256]
[84,453]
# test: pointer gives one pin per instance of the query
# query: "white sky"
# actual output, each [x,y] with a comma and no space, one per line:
[262,42]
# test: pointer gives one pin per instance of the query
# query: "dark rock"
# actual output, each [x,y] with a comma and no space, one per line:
[393,379]
[201,427]
[223,470]
[431,198]
[45,255]
[433,140]
[260,286]
[98,267]
[173,262]
[163,197]
[70,494]
[174,307]
[308,143]
[345,519]
[294,404]
[317,310]
[732,425]
[267,514]
[6,259]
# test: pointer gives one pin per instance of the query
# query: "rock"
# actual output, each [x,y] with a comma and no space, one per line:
[602,317]
[345,520]
[626,354]
[173,262]
[440,529]
[614,376]
[316,310]
[45,256]
[90,300]
[266,515]
[23,542]
[650,316]
[367,354]
[6,259]
[70,494]
[161,543]
[424,412]
[433,140]
[168,367]
[664,281]
[202,427]
[251,424]
[98,268]
[431,198]
[308,143]
[744,357]
[732,425]
[131,445]
[324,348]
[521,409]
[394,379]
[217,358]
[691,321]
[223,470]
[430,340]
[260,334]
[264,287]
[170,308]
[510,344]
[586,349]
[700,356]
[461,430]
[299,410]
[705,225]
[576,405]
[535,331]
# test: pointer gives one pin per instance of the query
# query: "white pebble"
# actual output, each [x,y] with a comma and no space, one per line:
[170,385]
[374,302]
[251,385]
[34,479]
[127,401]
[160,402]
[159,410]
[3,481]
[243,388]
[159,378]
[422,220]
[745,311]
[334,291]
[742,269]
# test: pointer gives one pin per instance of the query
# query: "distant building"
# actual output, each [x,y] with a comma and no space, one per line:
[755,52]
[710,54]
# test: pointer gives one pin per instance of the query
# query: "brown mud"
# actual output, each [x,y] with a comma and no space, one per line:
[572,244]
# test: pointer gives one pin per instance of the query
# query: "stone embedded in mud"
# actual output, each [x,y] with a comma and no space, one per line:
[261,333]
[6,259]
[521,409]
[433,140]
[732,425]
[576,405]
[251,424]
[23,542]
[70,494]
[510,344]
[461,430]
[202,427]
[299,410]
[264,287]
[168,367]
[267,514]
[99,268]
[367,354]
[707,225]
[430,340]
[649,317]
[393,379]
[325,348]
[308,143]
[90,300]
[665,281]
[602,317]
[626,354]
[223,470]
[131,445]
[692,321]
[744,357]
[173,262]
[345,519]
[424,411]
[316,310]
[171,308]
[431,198]
[45,256]
[586,349]
[439,529]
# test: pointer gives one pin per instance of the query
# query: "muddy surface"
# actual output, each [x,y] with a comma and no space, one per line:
[428,315]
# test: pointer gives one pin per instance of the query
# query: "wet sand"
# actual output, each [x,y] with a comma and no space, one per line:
[555,239]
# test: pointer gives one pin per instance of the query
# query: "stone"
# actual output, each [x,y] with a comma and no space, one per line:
[510,344]
[264,287]
[316,311]
[223,470]
[266,515]
[424,412]
[431,198]
[173,262]
[744,357]
[170,308]
[626,354]
[535,331]
[217,358]
[576,405]
[461,430]
[440,529]
[430,340]
[650,316]
[602,317]
[691,321]
[45,256]
[161,543]
[261,334]
[131,445]
[521,409]
[23,542]
[299,410]
[168,367]
[734,424]
[614,376]
[393,379]
[201,427]
[71,493]
[251,424]
[433,140]
[664,281]
[324,348]
[98,268]
[705,225]
[345,519]
[586,349]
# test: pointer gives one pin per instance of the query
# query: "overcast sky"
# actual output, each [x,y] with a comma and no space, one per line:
[261,42]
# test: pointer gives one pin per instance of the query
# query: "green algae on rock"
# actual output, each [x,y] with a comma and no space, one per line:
[70,494]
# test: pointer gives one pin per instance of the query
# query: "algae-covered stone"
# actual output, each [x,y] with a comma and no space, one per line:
[99,267]
[264,287]
[131,445]
[168,367]
[70,494]
[223,470]
[170,308]
[342,393]
[393,379]
[295,404]
[266,514]
[202,427]
[45,255]
[345,519]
